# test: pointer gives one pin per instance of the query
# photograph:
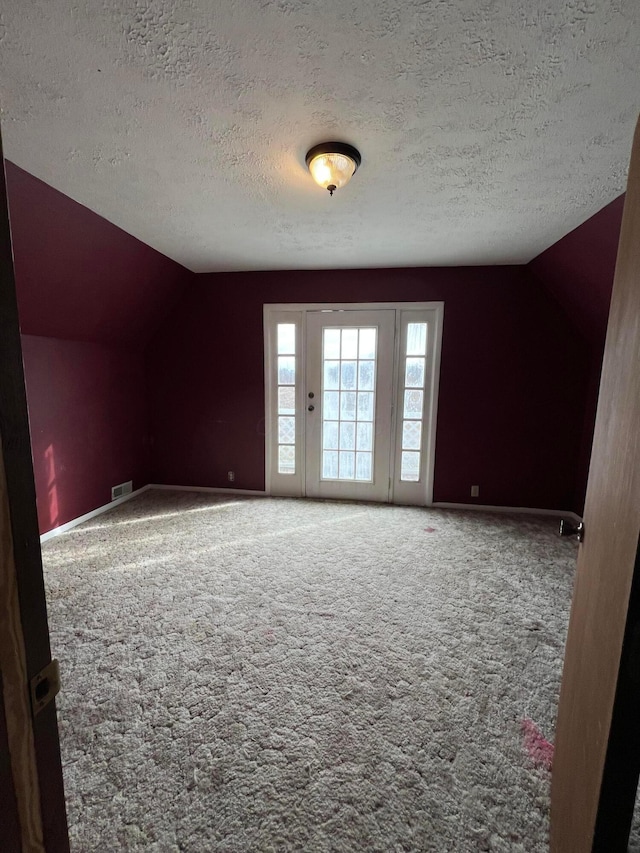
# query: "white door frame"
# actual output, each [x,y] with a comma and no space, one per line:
[294,485]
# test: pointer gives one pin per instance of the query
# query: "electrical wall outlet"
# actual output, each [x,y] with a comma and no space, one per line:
[475,491]
[231,476]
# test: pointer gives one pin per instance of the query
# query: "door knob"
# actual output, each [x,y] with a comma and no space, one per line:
[311,408]
[569,528]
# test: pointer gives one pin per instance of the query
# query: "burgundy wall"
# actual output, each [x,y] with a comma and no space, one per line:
[80,277]
[510,389]
[89,296]
[88,417]
[578,272]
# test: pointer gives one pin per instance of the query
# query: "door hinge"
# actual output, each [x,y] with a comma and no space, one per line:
[44,686]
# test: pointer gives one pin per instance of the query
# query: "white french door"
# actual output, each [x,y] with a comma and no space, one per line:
[351,395]
[349,404]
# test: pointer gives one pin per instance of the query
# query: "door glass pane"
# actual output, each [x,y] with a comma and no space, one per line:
[286,430]
[348,375]
[347,466]
[348,405]
[329,464]
[367,341]
[332,343]
[364,466]
[349,343]
[286,370]
[416,339]
[330,433]
[365,406]
[331,408]
[414,374]
[413,404]
[286,338]
[286,400]
[347,435]
[410,469]
[411,435]
[331,375]
[366,377]
[286,459]
[365,436]
[348,415]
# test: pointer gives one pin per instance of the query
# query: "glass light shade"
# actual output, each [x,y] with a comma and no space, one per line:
[332,170]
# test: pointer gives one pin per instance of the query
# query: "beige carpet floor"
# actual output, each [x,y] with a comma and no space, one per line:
[279,675]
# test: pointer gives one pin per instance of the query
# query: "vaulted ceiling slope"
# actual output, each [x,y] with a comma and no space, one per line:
[488,129]
[78,276]
[578,271]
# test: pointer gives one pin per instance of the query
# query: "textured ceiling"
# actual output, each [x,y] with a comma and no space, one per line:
[488,128]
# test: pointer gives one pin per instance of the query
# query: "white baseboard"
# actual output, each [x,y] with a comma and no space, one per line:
[558,513]
[211,489]
[255,493]
[82,518]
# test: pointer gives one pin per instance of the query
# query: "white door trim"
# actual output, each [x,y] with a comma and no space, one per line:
[296,312]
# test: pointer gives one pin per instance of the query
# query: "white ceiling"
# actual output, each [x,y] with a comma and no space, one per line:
[488,128]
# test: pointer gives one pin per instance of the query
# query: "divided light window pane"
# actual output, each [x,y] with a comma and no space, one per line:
[286,338]
[417,339]
[286,400]
[349,343]
[332,343]
[286,459]
[411,435]
[286,431]
[286,370]
[414,373]
[413,401]
[410,466]
[367,347]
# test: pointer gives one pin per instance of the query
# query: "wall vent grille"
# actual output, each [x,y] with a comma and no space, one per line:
[122,489]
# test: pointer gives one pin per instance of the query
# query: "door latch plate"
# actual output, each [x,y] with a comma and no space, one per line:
[569,528]
[44,686]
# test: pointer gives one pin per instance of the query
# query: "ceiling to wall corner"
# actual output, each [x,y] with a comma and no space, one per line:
[488,128]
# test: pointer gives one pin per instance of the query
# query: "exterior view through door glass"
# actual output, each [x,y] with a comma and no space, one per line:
[350,358]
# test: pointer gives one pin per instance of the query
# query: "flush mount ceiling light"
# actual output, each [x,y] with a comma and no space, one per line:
[333,164]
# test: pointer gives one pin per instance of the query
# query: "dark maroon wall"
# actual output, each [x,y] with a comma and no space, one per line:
[80,277]
[88,420]
[92,294]
[578,272]
[510,388]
